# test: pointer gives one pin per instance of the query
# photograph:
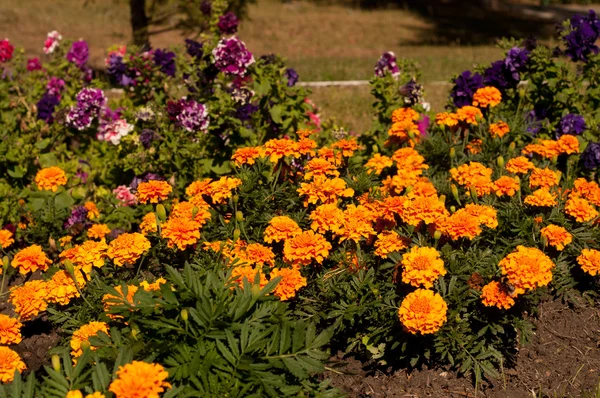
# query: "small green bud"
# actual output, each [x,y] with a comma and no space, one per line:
[442,198]
[56,363]
[69,267]
[235,199]
[85,345]
[544,240]
[560,174]
[239,216]
[161,212]
[195,211]
[500,161]
[236,234]
[454,190]
[452,209]
[5,263]
[473,192]
[554,159]
[184,315]
[437,235]
[408,189]
[375,148]
[135,331]
[512,147]
[452,153]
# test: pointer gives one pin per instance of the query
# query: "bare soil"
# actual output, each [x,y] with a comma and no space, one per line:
[562,360]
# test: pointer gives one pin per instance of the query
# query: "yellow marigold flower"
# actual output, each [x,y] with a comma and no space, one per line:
[276,149]
[247,155]
[330,155]
[98,231]
[10,330]
[545,148]
[87,255]
[446,119]
[409,160]
[65,240]
[6,238]
[403,130]
[587,190]
[221,190]
[61,289]
[404,114]
[519,165]
[388,242]
[427,209]
[320,167]
[31,259]
[589,259]
[403,179]
[281,228]
[461,225]
[154,286]
[305,133]
[541,198]
[29,299]
[9,362]
[97,394]
[580,209]
[556,236]
[181,232]
[506,185]
[200,187]
[495,294]
[140,379]
[487,96]
[110,300]
[469,114]
[527,268]
[306,146]
[377,163]
[128,248]
[93,211]
[474,175]
[83,334]
[567,144]
[190,211]
[346,146]
[324,190]
[474,146]
[303,248]
[50,178]
[422,266]
[291,281]
[74,394]
[149,224]
[423,311]
[543,178]
[326,218]
[153,191]
[247,272]
[486,215]
[357,223]
[499,129]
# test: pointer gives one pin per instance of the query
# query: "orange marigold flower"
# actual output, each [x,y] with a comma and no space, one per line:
[140,379]
[320,167]
[587,190]
[9,362]
[543,178]
[409,160]
[96,394]
[486,215]
[191,211]
[74,394]
[589,259]
[487,96]
[446,119]
[404,114]
[249,273]
[65,240]
[221,190]
[30,299]
[303,248]
[324,190]
[61,289]
[422,266]
[556,236]
[499,129]
[346,146]
[428,209]
[567,144]
[87,255]
[545,148]
[469,114]
[332,156]
[506,185]
[403,130]
[153,191]
[128,248]
[306,146]
[149,224]
[305,133]
[519,165]
[50,178]
[83,334]
[388,242]
[474,175]
[404,179]
[276,149]
[291,281]
[98,231]
[527,268]
[580,209]
[541,198]
[327,218]
[357,223]
[246,155]
[474,146]
[31,259]
[460,225]
[93,211]
[198,188]
[181,232]
[110,300]
[377,163]
[423,189]
[154,286]
[495,294]
[255,253]
[6,238]
[281,228]
[10,330]
[423,311]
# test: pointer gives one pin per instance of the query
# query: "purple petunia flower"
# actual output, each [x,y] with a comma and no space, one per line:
[55,86]
[534,119]
[78,216]
[570,124]
[79,53]
[206,7]
[194,48]
[228,23]
[412,92]
[498,75]
[89,103]
[232,57]
[193,116]
[118,70]
[166,61]
[465,86]
[244,112]
[46,106]
[146,137]
[34,64]
[387,63]
[591,156]
[292,77]
[580,41]
[516,62]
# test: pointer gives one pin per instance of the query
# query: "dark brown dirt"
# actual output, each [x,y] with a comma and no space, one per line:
[562,360]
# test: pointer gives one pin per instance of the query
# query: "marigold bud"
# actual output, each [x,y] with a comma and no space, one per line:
[184,315]
[69,267]
[5,263]
[195,211]
[454,190]
[544,240]
[56,363]
[473,193]
[52,243]
[554,159]
[437,235]
[135,331]
[452,153]
[512,147]
[375,148]
[442,198]
[452,209]
[235,199]
[161,212]
[236,234]
[239,216]
[500,161]
[408,189]
[85,345]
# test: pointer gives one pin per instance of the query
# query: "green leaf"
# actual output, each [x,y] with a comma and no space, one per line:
[48,160]
[63,200]
[275,113]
